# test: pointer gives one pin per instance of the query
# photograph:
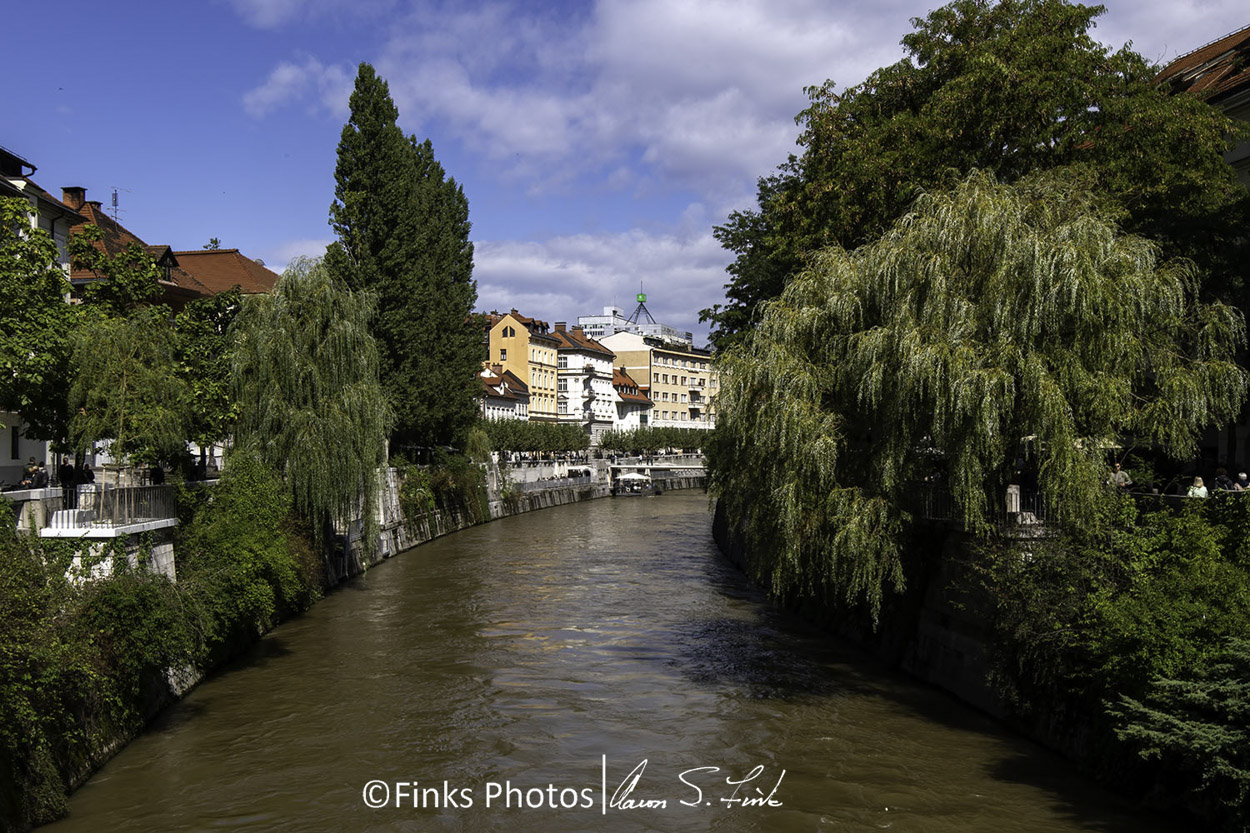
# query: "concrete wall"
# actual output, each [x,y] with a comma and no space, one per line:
[397,535]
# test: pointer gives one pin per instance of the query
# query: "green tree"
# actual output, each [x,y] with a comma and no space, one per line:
[991,321]
[1009,87]
[1198,728]
[203,355]
[403,233]
[123,282]
[306,379]
[35,324]
[126,388]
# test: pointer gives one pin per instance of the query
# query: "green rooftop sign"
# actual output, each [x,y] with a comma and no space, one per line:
[642,297]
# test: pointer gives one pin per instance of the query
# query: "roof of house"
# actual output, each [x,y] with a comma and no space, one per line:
[219,270]
[1218,70]
[505,385]
[625,385]
[576,339]
[179,286]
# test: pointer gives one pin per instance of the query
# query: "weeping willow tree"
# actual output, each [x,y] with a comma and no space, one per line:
[305,374]
[990,322]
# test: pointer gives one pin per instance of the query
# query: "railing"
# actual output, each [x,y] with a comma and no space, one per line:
[555,483]
[109,507]
[934,502]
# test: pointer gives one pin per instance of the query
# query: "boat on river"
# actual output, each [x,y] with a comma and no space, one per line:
[633,484]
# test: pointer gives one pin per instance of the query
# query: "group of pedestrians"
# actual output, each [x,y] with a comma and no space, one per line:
[1198,488]
[1221,483]
[34,476]
[71,477]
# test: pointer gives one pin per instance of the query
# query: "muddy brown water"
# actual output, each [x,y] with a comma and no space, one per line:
[516,676]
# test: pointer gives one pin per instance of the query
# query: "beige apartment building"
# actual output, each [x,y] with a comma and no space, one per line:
[679,379]
[523,346]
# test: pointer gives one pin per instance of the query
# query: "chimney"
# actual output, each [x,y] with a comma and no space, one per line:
[497,369]
[560,326]
[74,196]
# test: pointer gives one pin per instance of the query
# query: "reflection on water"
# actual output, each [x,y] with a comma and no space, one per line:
[505,663]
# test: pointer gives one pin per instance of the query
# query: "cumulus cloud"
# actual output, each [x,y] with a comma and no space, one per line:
[564,277]
[329,88]
[626,98]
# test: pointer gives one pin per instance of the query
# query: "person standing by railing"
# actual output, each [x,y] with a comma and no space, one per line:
[1197,490]
[67,475]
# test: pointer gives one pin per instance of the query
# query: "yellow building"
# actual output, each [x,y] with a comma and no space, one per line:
[522,345]
[678,378]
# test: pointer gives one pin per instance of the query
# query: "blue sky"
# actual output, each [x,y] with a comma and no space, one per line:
[598,142]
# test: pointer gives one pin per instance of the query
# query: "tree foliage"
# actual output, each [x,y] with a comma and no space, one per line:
[1009,87]
[306,380]
[1198,726]
[126,388]
[992,321]
[522,435]
[650,440]
[123,282]
[403,233]
[35,324]
[203,342]
[1123,638]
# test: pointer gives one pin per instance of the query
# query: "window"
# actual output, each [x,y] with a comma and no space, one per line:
[657,377]
[562,385]
[683,380]
[683,397]
[562,362]
[664,396]
[663,414]
[503,354]
[666,378]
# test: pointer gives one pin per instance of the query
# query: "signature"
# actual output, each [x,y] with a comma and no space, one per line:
[703,790]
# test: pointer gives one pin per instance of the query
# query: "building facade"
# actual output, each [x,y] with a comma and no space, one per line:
[584,394]
[525,347]
[504,396]
[679,380]
[633,408]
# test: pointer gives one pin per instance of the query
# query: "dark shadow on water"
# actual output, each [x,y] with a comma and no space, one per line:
[783,655]
[759,661]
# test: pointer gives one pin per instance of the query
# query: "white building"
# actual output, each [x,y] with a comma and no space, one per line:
[504,396]
[633,408]
[640,323]
[584,393]
[54,217]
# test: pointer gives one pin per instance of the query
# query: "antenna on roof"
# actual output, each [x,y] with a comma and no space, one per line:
[117,210]
[641,309]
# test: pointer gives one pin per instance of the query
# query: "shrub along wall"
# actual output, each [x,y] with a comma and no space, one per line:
[83,665]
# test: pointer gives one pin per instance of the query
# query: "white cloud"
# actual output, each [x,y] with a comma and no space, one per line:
[564,277]
[329,87]
[277,257]
[274,14]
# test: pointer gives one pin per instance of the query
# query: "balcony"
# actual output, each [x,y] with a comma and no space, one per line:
[113,512]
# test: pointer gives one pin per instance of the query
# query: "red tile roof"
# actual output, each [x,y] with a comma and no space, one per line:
[221,269]
[1216,70]
[576,339]
[625,386]
[179,287]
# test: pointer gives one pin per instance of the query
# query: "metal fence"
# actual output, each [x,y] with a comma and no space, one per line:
[934,502]
[555,483]
[110,507]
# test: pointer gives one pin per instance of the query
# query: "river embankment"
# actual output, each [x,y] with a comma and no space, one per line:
[144,642]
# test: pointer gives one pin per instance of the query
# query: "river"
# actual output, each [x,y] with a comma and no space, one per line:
[523,671]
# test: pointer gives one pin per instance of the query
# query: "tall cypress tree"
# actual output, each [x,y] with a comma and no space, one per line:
[403,229]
